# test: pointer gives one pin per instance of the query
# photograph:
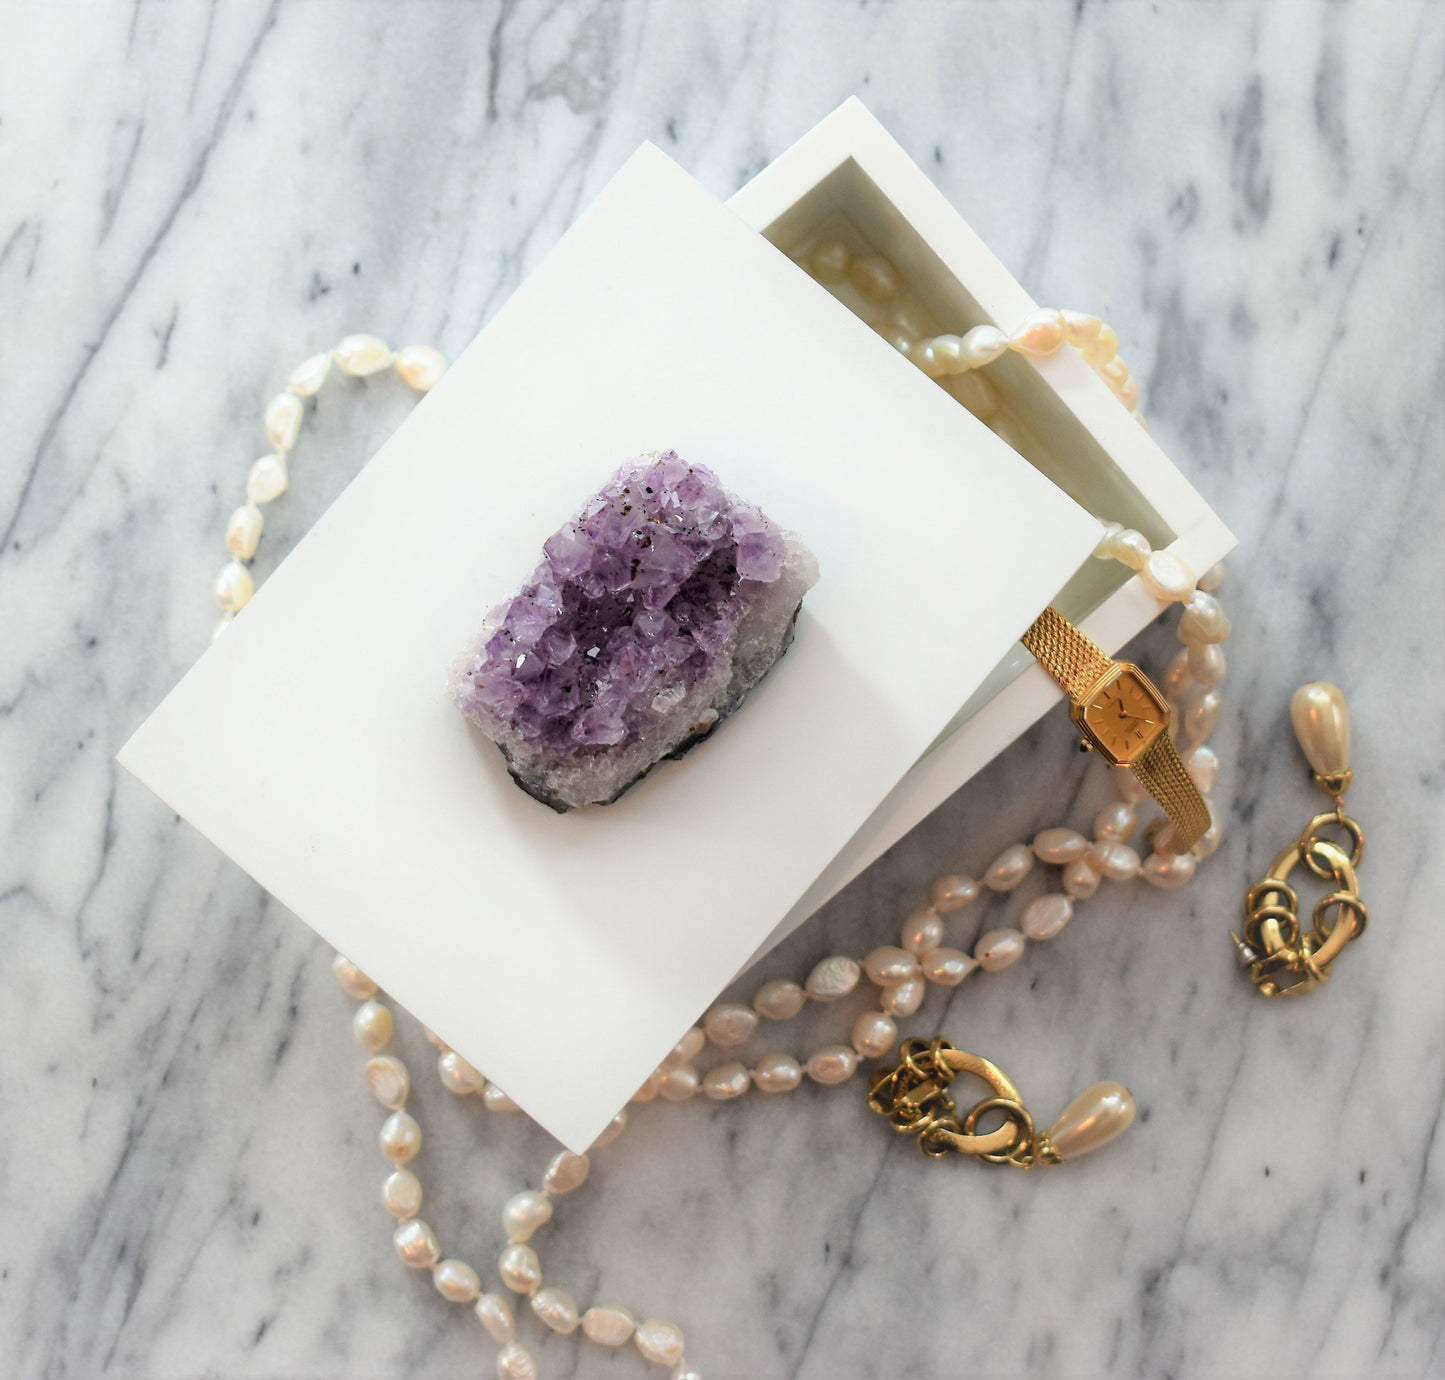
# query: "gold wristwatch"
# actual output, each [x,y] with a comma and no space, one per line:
[1124,718]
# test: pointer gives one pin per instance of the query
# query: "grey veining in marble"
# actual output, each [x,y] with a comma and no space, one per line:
[195,196]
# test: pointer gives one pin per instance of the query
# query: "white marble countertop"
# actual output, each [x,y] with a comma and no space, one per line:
[196,196]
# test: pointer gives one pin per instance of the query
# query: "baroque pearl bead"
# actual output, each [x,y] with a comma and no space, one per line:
[1081,329]
[947,967]
[730,1024]
[1167,577]
[371,1026]
[875,277]
[1202,764]
[1080,878]
[833,978]
[1206,663]
[268,479]
[832,1064]
[679,1084]
[779,1000]
[612,1130]
[1040,335]
[947,351]
[400,1137]
[999,949]
[234,587]
[351,979]
[726,1082]
[283,420]
[457,1075]
[1094,1118]
[1212,578]
[1169,871]
[1046,915]
[495,1100]
[1321,722]
[1176,678]
[495,1314]
[1201,715]
[566,1172]
[953,892]
[456,1281]
[1115,372]
[608,1325]
[1009,868]
[361,355]
[416,1244]
[1131,548]
[1115,821]
[308,376]
[401,1193]
[1203,620]
[421,366]
[777,1073]
[389,1081]
[524,1213]
[873,1034]
[557,1309]
[243,531]
[903,998]
[830,261]
[686,1049]
[982,345]
[1059,846]
[922,931]
[520,1269]
[1103,347]
[887,966]
[659,1341]
[1114,860]
[515,1362]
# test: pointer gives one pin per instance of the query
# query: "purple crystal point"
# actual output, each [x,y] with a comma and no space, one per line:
[653,613]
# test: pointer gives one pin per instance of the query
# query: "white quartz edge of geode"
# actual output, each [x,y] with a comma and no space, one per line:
[761,638]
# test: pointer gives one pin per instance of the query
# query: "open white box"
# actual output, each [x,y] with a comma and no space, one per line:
[848,179]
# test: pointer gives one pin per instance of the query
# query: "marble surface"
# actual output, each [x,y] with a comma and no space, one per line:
[196,196]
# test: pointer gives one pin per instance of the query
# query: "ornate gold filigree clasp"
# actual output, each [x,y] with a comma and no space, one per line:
[914,1097]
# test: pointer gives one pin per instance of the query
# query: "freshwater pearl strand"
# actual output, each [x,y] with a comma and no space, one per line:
[900,974]
[360,356]
[947,355]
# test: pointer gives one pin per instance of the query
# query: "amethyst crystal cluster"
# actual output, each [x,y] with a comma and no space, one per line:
[653,613]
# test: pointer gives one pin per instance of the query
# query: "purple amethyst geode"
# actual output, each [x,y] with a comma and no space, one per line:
[653,613]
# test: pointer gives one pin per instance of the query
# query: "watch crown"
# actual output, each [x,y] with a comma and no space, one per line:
[1085,745]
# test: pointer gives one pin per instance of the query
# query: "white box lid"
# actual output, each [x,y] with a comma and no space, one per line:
[315,743]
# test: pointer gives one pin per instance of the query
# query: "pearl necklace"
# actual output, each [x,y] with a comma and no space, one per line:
[900,973]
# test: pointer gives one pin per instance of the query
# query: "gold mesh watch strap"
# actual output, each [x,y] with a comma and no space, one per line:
[1077,664]
[1161,772]
[1065,653]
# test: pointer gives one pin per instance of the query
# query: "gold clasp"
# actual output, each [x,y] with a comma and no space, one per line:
[914,1098]
[1281,962]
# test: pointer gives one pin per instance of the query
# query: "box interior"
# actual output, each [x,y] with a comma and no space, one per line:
[1015,402]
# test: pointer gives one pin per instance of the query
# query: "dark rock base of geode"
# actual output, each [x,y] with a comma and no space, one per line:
[534,780]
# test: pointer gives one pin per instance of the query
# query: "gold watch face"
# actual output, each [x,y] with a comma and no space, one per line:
[1123,714]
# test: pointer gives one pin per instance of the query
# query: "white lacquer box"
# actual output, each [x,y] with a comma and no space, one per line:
[849,180]
[563,955]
